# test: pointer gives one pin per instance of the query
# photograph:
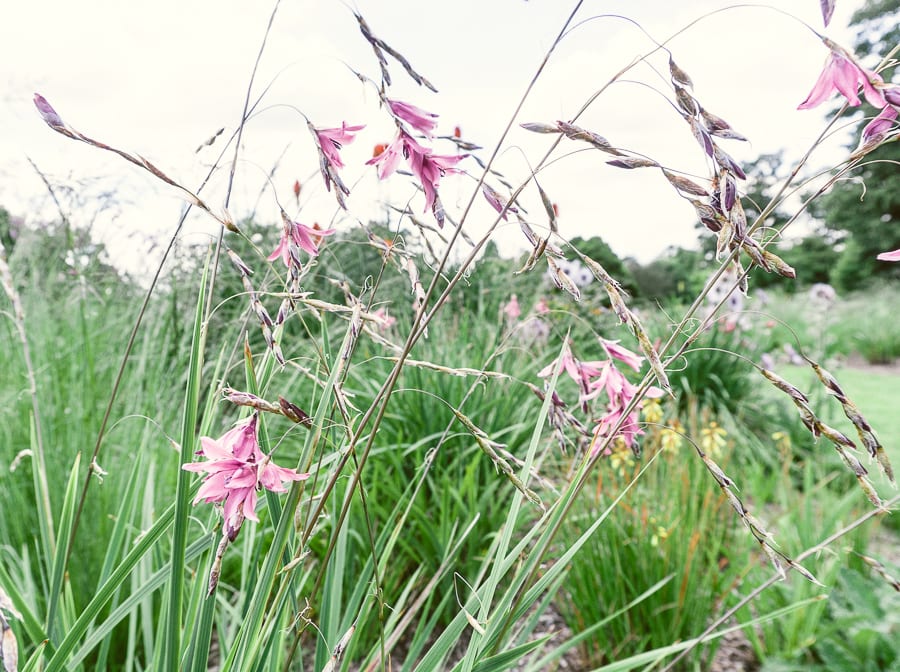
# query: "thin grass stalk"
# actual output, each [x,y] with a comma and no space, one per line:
[172,645]
[42,489]
[776,577]
[246,646]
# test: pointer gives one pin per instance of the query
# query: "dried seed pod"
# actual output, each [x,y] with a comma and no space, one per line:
[719,127]
[779,265]
[631,162]
[574,132]
[563,281]
[801,401]
[685,185]
[686,101]
[536,127]
[678,75]
[863,428]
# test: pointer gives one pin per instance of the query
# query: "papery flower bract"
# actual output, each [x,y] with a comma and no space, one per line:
[419,119]
[842,74]
[236,468]
[331,140]
[49,115]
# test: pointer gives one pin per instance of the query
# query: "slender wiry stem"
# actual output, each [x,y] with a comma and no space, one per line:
[776,577]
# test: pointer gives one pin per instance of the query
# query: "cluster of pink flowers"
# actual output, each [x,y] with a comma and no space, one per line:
[602,376]
[236,469]
[843,74]
[427,166]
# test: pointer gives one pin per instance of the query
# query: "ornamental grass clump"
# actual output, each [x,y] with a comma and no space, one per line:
[415,499]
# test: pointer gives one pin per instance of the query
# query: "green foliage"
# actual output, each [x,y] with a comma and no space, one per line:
[863,632]
[674,524]
[678,274]
[864,211]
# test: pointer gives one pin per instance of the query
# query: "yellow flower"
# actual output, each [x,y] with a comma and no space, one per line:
[660,535]
[653,411]
[670,437]
[621,458]
[712,439]
[782,441]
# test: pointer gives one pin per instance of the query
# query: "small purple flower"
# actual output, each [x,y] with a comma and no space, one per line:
[827,7]
[236,469]
[842,74]
[430,168]
[419,119]
[331,140]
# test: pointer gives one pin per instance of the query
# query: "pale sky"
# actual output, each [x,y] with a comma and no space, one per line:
[159,78]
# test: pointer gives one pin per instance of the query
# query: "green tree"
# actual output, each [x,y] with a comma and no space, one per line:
[866,219]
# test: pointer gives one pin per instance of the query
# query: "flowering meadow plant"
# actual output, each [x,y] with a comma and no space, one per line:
[347,553]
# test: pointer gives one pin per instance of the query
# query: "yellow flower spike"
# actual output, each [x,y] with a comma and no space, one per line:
[712,439]
[652,411]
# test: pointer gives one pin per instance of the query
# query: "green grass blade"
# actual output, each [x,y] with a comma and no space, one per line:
[172,643]
[144,545]
[58,570]
[505,660]
[147,588]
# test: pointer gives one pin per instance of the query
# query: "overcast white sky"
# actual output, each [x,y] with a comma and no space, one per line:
[159,78]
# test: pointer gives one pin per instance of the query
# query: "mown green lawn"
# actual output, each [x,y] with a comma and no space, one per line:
[875,390]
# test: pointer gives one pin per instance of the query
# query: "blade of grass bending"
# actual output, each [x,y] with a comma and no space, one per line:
[504,539]
[435,656]
[651,657]
[148,587]
[542,583]
[172,643]
[244,650]
[544,662]
[504,661]
[203,606]
[123,516]
[30,622]
[145,544]
[57,572]
[330,621]
[42,495]
[123,521]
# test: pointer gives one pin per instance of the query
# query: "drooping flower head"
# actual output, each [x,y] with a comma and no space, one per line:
[331,140]
[841,73]
[426,166]
[236,469]
[304,237]
[421,120]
